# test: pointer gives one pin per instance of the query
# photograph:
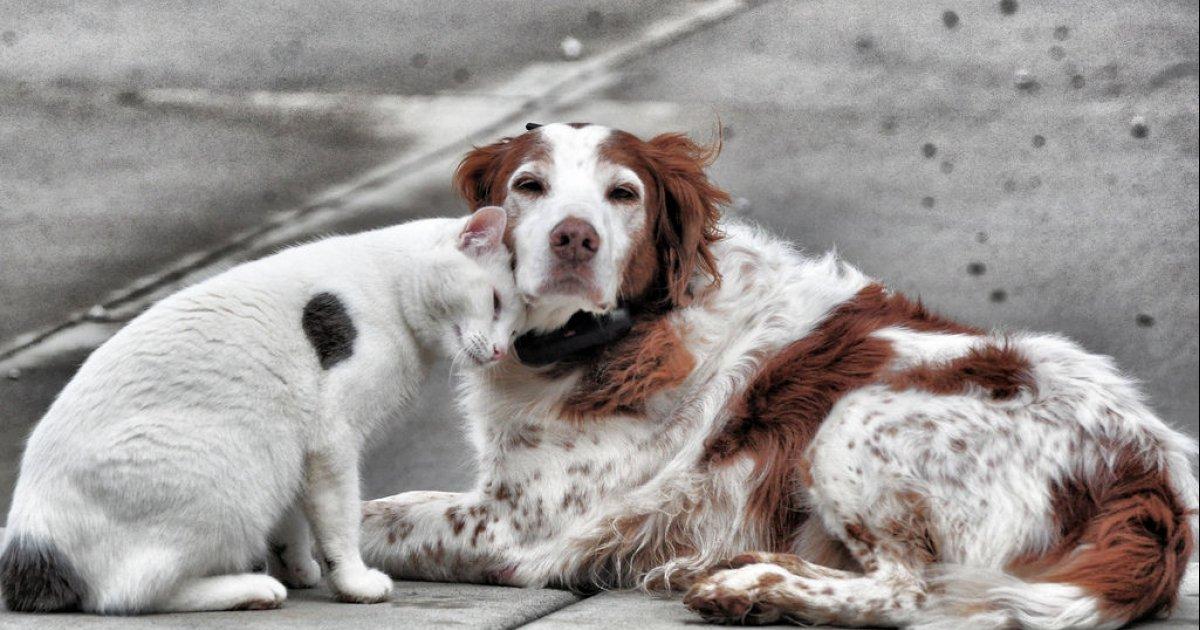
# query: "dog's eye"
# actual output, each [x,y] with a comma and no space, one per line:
[622,193]
[530,186]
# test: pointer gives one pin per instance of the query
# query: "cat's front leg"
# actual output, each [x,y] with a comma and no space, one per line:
[446,536]
[291,551]
[331,501]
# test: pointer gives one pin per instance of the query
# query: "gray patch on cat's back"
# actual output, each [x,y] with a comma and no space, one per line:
[329,329]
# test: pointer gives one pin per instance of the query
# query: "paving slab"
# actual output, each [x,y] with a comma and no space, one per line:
[621,609]
[627,609]
[413,605]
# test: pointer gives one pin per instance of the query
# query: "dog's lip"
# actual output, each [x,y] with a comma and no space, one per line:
[568,286]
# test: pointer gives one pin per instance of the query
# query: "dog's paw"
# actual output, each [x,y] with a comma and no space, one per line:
[718,604]
[729,597]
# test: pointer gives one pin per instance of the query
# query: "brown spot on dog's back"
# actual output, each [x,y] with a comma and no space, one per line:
[1000,370]
[779,413]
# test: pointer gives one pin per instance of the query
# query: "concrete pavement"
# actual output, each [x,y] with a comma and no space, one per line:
[423,605]
[143,158]
[428,604]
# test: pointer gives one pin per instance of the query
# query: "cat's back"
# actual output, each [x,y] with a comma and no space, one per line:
[239,337]
[228,343]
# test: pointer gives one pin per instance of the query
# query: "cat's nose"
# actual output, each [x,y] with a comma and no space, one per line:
[498,353]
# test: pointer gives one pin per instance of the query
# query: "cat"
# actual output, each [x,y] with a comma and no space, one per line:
[239,407]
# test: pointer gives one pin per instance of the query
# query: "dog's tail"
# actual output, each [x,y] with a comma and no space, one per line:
[1126,560]
[35,576]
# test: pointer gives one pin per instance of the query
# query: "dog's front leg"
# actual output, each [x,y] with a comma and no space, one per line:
[442,536]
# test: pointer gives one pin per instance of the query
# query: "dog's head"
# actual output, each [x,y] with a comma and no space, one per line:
[597,216]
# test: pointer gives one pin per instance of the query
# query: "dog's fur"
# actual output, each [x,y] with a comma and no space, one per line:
[781,435]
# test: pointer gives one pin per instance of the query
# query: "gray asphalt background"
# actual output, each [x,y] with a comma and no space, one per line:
[994,168]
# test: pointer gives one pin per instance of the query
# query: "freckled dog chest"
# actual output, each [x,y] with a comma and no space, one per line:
[329,329]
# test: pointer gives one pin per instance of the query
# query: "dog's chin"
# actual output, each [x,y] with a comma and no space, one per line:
[557,299]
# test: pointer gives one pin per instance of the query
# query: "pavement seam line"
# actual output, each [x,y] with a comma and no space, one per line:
[655,36]
[563,606]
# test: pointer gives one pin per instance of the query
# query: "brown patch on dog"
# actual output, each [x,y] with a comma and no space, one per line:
[804,471]
[682,212]
[860,533]
[915,530]
[651,358]
[768,580]
[1124,536]
[1002,371]
[781,410]
[456,520]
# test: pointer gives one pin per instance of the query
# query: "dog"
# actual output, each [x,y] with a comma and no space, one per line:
[698,407]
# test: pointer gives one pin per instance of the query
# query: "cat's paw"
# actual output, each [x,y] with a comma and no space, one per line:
[299,572]
[362,586]
[261,592]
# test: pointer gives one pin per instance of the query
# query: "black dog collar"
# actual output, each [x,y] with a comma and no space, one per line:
[582,336]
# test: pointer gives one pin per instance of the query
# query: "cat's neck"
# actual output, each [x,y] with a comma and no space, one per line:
[403,263]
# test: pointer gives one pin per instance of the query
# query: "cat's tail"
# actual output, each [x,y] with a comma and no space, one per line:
[35,576]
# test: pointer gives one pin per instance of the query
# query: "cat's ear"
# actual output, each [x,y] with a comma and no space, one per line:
[484,232]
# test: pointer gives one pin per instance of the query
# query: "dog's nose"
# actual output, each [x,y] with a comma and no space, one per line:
[574,240]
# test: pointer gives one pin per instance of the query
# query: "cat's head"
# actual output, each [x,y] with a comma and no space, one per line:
[482,309]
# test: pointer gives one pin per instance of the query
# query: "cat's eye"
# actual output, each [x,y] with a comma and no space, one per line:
[495,305]
[623,194]
[530,186]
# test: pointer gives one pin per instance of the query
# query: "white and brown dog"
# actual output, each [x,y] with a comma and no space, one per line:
[779,434]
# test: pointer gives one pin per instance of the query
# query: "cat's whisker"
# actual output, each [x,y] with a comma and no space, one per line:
[454,363]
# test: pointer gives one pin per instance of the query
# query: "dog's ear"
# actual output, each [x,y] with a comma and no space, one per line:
[482,176]
[475,178]
[687,223]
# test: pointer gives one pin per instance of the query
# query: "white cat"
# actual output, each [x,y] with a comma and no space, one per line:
[238,406]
